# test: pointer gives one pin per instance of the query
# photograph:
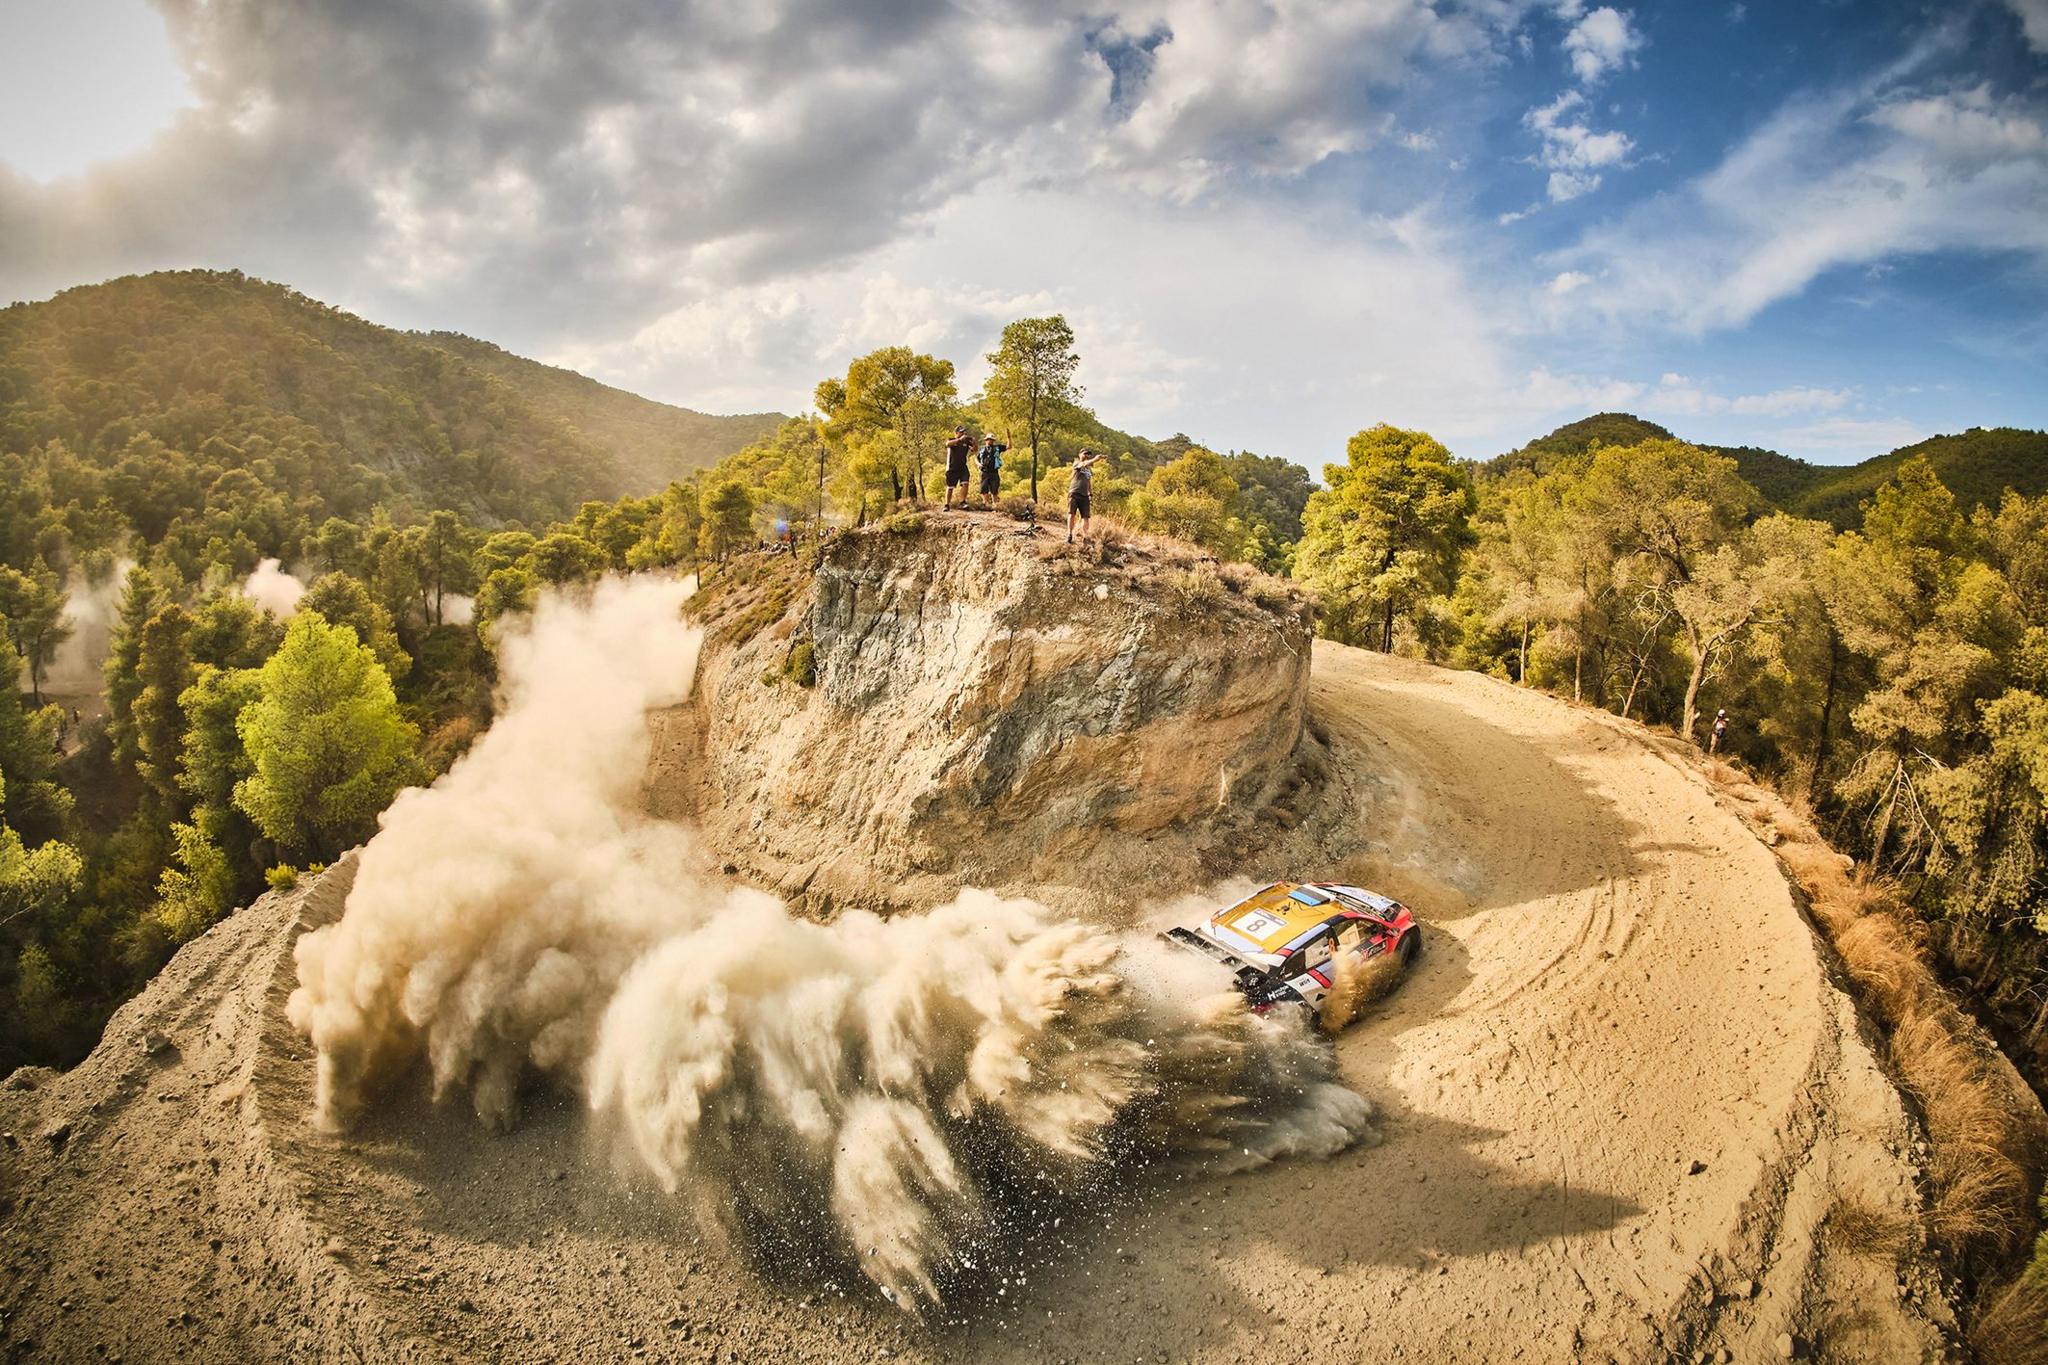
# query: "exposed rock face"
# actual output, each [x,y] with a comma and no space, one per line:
[995,707]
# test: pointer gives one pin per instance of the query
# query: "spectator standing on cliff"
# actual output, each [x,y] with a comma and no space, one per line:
[1079,492]
[1720,731]
[956,464]
[991,458]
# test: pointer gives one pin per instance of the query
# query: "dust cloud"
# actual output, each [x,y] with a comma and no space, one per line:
[270,586]
[90,607]
[892,1094]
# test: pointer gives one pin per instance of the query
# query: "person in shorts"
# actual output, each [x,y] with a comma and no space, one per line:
[956,464]
[1079,491]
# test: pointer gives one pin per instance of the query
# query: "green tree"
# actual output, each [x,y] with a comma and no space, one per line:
[141,596]
[211,757]
[35,884]
[728,517]
[1933,621]
[1192,497]
[1662,506]
[1386,533]
[344,601]
[507,592]
[230,631]
[198,888]
[326,744]
[1031,379]
[38,802]
[1516,549]
[867,472]
[1272,494]
[563,557]
[32,613]
[898,390]
[164,670]
[340,547]
[1735,588]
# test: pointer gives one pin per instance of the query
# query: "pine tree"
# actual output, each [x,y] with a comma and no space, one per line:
[326,743]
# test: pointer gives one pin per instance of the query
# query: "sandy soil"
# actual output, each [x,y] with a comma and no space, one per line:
[1623,1097]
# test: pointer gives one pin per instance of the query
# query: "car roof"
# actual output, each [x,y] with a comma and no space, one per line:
[1281,917]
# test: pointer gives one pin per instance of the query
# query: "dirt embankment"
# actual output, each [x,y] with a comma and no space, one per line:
[1628,1114]
[954,700]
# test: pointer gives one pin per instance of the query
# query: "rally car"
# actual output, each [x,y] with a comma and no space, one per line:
[1284,944]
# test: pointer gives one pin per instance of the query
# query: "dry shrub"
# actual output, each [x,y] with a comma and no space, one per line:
[1195,587]
[1020,507]
[1887,967]
[2014,1329]
[1860,1229]
[450,741]
[1239,578]
[1982,1191]
[1111,532]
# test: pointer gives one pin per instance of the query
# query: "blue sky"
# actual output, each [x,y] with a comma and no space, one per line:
[1819,227]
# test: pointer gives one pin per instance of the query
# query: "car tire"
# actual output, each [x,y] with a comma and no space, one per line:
[1410,947]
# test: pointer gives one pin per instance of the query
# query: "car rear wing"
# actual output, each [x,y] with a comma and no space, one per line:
[1188,938]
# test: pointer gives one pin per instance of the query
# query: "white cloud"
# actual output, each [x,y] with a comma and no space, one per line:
[1393,328]
[572,165]
[1569,147]
[2033,17]
[1849,436]
[1563,186]
[1785,402]
[1603,40]
[1849,180]
[1675,394]
[1966,126]
[1565,281]
[1548,393]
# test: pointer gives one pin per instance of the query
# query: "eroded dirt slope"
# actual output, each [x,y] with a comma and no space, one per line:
[1621,1097]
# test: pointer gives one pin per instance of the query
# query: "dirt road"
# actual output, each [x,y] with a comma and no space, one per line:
[1627,1115]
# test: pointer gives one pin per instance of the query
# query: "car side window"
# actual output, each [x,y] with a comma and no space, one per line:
[1351,935]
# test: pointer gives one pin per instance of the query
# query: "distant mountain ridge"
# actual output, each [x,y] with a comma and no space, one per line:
[654,442]
[215,361]
[1977,465]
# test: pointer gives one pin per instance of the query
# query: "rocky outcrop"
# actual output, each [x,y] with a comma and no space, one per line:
[953,698]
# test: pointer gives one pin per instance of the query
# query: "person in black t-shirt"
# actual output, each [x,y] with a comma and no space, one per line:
[956,464]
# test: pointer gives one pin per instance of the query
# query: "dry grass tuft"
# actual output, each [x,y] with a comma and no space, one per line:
[1110,532]
[1195,587]
[2013,1330]
[1886,965]
[1861,1230]
[1239,578]
[1982,1191]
